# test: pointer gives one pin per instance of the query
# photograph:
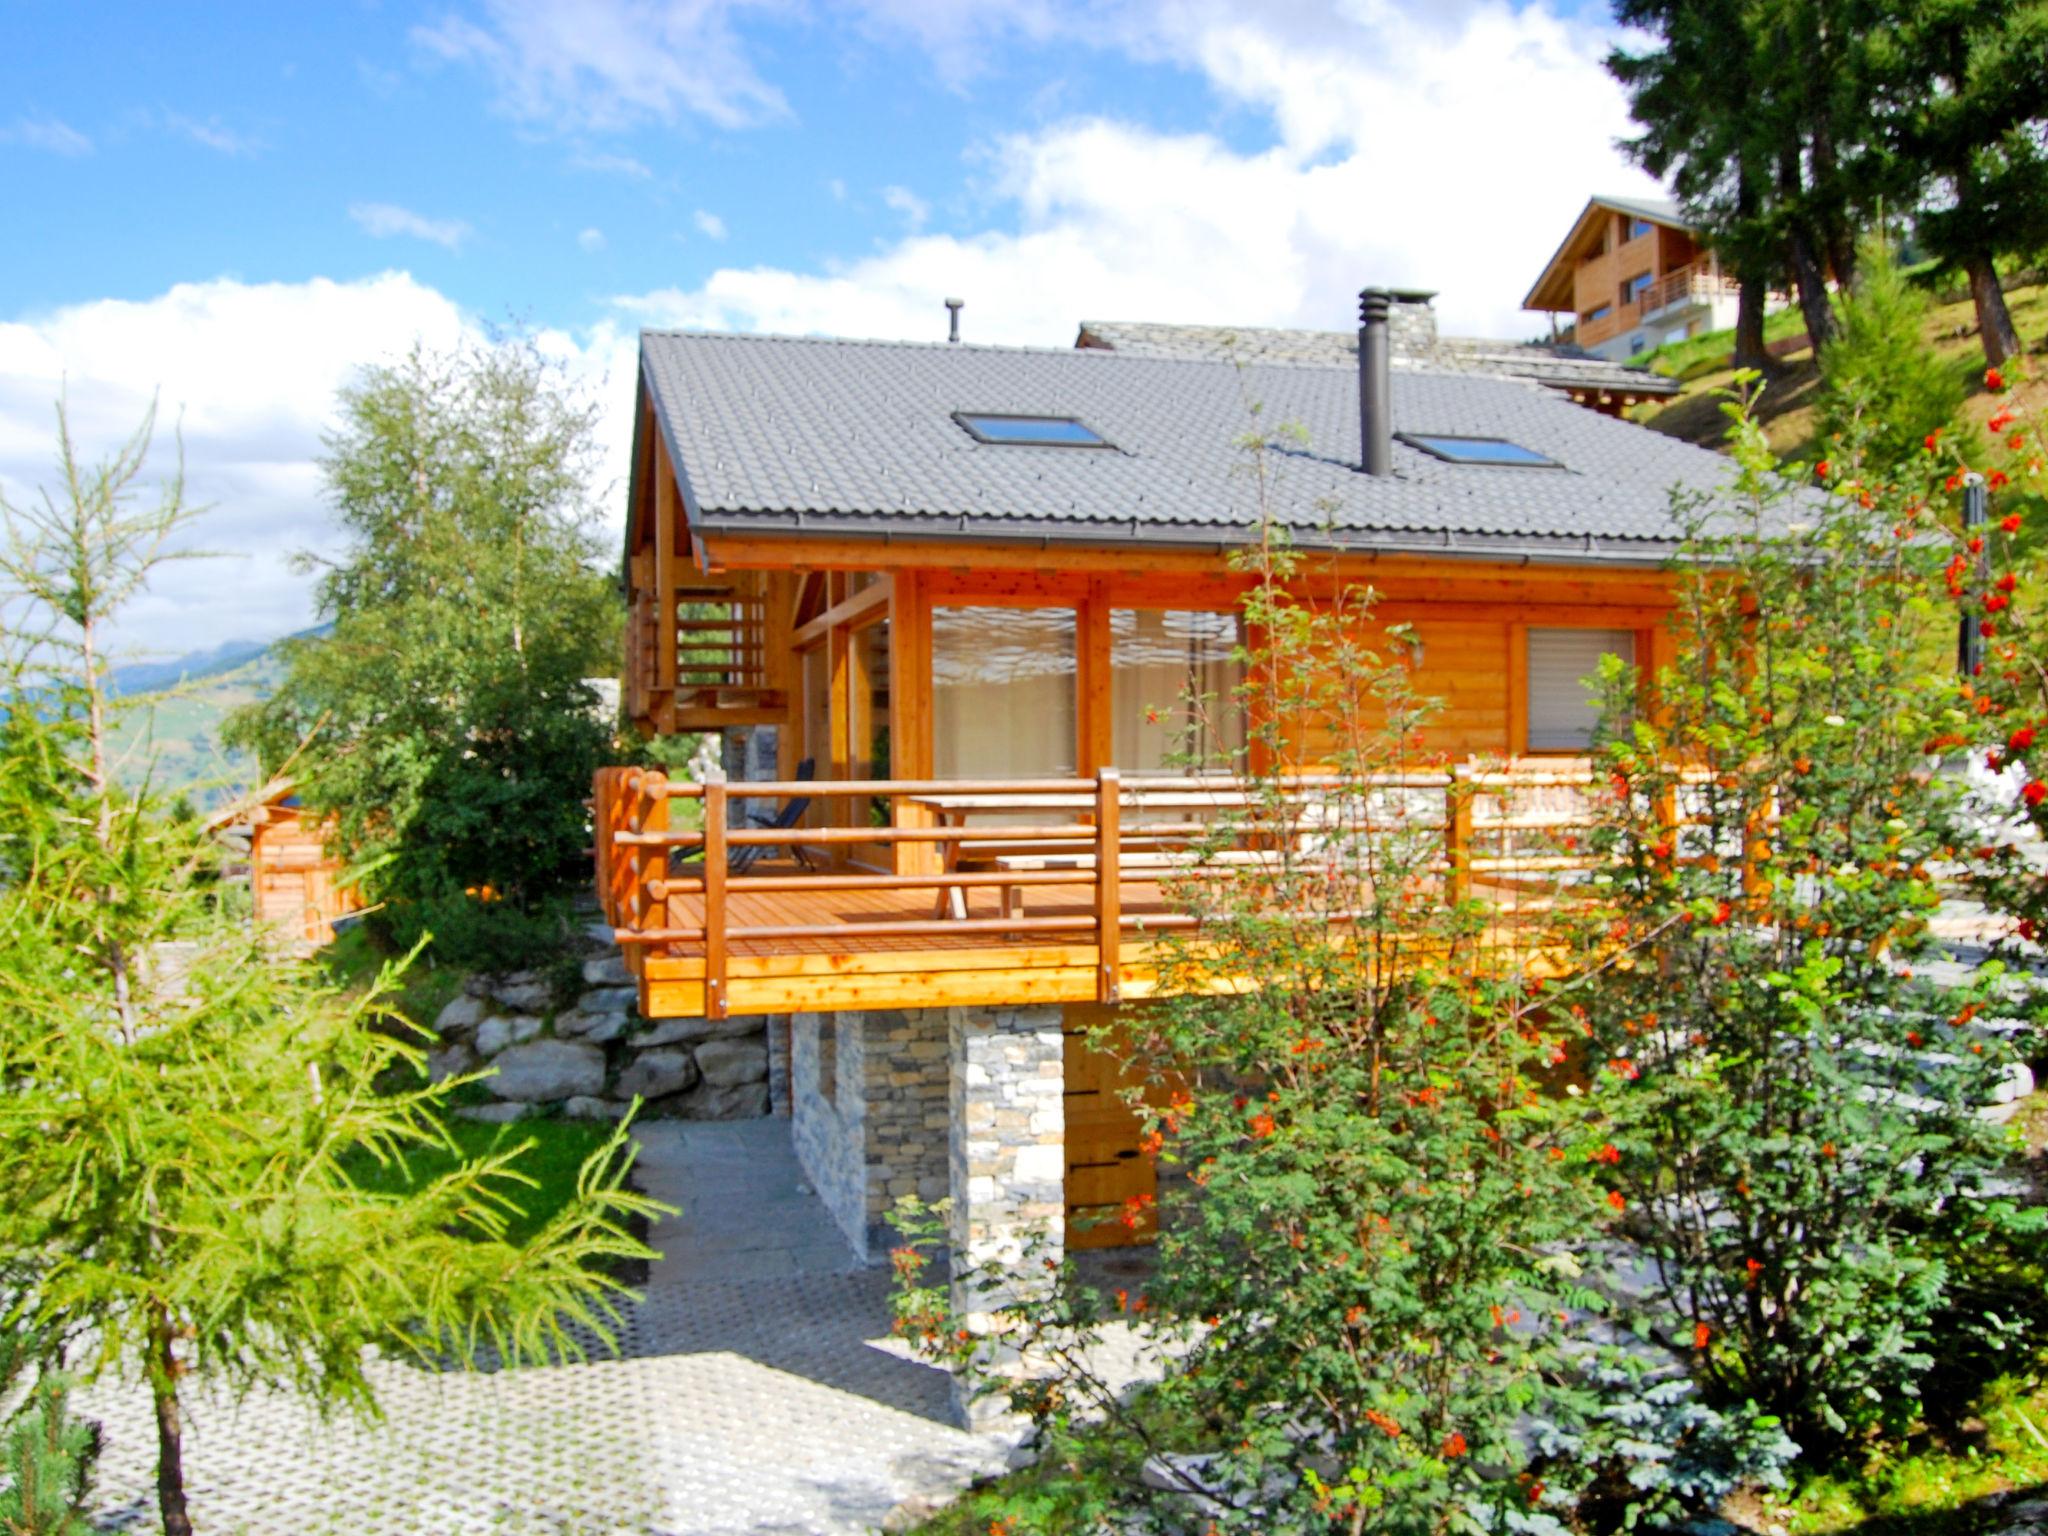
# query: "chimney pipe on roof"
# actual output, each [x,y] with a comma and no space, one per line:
[953,308]
[1375,414]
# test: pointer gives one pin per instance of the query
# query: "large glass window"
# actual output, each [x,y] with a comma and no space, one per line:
[1563,706]
[1002,692]
[1173,684]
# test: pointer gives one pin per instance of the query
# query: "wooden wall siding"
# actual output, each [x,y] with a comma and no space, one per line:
[1598,280]
[296,883]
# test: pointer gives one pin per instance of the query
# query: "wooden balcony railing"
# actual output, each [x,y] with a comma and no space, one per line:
[1081,872]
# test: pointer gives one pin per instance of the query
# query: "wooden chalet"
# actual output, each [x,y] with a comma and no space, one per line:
[1633,274]
[955,595]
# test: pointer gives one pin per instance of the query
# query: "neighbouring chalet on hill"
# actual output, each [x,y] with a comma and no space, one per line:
[944,589]
[1633,275]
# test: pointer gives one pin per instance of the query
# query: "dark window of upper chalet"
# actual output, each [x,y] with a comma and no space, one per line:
[1030,431]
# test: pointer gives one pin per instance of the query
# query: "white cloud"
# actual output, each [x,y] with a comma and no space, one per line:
[212,135]
[837,187]
[612,165]
[1446,147]
[47,133]
[591,240]
[576,66]
[381,221]
[915,210]
[248,372]
[710,225]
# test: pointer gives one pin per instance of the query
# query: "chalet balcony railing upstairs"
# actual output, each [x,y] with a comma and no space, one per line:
[1075,874]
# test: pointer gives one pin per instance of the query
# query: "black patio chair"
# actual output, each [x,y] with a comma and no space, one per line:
[784,820]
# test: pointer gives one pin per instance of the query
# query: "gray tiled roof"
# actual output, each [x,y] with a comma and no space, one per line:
[777,434]
[1558,366]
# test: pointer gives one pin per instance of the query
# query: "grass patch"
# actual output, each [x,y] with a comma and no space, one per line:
[354,958]
[553,1152]
[1925,1489]
[1714,351]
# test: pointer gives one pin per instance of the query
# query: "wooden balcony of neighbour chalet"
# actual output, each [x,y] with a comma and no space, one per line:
[760,898]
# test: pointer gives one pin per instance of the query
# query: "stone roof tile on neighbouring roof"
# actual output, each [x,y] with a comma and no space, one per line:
[1561,367]
[780,434]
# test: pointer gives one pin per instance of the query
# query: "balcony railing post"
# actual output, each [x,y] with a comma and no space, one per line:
[714,898]
[1109,921]
[647,903]
[1457,836]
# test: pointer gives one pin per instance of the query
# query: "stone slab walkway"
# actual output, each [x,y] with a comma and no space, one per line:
[756,1392]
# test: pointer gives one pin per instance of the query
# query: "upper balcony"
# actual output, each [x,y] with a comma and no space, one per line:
[934,893]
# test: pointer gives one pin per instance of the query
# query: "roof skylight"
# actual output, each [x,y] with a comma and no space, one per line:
[1493,452]
[1030,431]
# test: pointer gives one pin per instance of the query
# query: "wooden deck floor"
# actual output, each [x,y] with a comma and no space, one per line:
[839,963]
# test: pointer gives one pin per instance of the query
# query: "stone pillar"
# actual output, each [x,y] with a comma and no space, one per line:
[1007,1150]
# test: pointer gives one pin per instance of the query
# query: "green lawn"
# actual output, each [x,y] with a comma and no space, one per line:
[554,1151]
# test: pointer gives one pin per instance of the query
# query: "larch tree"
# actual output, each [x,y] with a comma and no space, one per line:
[180,1109]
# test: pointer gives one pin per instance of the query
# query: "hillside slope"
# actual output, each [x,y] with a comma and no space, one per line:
[178,729]
[1787,407]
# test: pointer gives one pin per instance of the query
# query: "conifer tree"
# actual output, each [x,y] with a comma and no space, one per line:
[180,1110]
[1882,386]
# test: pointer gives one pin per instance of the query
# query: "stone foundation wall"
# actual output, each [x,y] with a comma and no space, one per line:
[828,1121]
[904,1053]
[881,1132]
[1007,1160]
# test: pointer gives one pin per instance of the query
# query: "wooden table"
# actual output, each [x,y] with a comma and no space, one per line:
[954,810]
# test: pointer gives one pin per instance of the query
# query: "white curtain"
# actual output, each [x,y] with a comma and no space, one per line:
[1173,685]
[1003,692]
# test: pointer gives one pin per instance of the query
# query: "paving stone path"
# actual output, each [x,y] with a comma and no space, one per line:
[756,1392]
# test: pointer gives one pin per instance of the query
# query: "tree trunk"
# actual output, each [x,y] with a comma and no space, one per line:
[1750,351]
[1994,321]
[170,1430]
[1812,285]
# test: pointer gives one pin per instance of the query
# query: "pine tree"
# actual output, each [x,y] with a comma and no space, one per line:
[1884,390]
[181,1111]
[46,1454]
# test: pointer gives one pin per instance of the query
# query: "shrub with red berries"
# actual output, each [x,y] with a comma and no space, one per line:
[1785,1140]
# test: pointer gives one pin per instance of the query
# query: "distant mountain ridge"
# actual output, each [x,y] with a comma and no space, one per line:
[156,676]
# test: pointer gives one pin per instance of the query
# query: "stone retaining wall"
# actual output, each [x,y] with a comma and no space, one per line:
[589,1054]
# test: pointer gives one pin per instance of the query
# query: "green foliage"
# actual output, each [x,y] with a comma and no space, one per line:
[1883,389]
[1792,1115]
[185,1116]
[46,1455]
[444,717]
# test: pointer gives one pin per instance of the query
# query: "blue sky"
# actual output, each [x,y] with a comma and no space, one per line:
[237,215]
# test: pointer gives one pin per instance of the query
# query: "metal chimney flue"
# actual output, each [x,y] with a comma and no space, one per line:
[953,308]
[1375,370]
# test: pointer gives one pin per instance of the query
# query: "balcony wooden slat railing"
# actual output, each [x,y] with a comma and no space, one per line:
[1102,882]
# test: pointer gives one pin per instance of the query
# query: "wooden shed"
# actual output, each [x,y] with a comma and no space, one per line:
[296,880]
